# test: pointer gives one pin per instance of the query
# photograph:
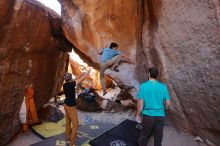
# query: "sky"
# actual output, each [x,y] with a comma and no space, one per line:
[53,4]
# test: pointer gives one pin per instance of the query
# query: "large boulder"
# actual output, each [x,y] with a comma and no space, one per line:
[92,25]
[29,54]
[181,38]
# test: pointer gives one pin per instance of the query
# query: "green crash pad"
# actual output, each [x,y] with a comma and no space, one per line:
[49,129]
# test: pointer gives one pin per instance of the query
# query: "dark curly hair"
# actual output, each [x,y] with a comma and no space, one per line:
[153,72]
[113,45]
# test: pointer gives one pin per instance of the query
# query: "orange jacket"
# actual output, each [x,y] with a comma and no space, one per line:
[31,109]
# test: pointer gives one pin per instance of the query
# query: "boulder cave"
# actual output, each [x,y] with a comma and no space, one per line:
[181,38]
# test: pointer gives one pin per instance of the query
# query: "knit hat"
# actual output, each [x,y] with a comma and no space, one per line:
[67,77]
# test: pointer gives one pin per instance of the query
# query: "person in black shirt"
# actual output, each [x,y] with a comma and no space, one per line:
[70,105]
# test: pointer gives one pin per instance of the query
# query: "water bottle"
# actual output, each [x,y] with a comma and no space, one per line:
[138,126]
[88,119]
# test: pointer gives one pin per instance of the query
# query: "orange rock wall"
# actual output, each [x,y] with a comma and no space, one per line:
[104,22]
[92,25]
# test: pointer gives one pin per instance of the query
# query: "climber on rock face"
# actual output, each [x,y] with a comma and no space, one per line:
[111,58]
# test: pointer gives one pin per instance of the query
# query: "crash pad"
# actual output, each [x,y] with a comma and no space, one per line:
[47,130]
[84,135]
[126,133]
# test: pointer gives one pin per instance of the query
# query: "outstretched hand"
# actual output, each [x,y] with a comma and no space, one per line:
[89,70]
[83,76]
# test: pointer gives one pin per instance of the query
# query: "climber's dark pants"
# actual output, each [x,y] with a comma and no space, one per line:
[152,125]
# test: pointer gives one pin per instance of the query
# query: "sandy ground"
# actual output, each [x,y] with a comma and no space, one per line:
[172,137]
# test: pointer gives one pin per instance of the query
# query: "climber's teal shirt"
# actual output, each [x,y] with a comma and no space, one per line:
[153,93]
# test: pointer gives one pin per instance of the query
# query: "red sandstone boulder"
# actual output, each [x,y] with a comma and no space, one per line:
[29,54]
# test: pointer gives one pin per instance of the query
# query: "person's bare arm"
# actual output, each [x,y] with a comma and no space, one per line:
[166,98]
[167,104]
[140,106]
[139,109]
[100,52]
[130,61]
[82,77]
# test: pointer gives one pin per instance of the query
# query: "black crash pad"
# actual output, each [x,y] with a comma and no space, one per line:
[126,133]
